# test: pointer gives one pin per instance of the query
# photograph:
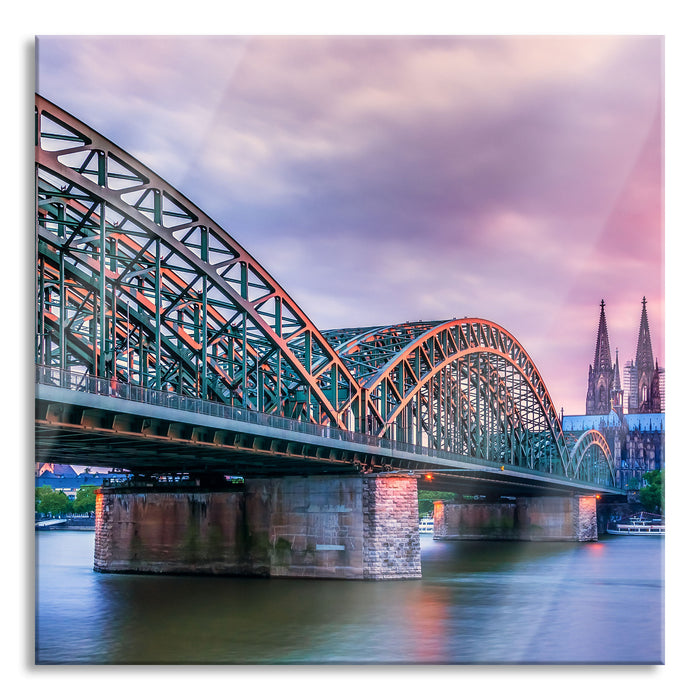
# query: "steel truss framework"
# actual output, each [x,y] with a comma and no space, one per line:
[136,284]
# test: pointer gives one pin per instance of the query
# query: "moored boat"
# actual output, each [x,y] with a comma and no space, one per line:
[41,524]
[639,524]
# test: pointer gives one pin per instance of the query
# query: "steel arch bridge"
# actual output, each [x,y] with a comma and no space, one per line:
[137,286]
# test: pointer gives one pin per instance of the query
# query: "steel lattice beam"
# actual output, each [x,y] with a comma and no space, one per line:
[135,284]
[161,294]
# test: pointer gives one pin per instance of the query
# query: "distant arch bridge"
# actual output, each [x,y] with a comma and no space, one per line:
[164,347]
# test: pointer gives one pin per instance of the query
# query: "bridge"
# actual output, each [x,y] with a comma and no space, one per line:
[164,348]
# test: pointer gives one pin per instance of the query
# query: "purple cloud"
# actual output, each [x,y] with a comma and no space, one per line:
[384,179]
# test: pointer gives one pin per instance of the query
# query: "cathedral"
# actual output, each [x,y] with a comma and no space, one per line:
[629,415]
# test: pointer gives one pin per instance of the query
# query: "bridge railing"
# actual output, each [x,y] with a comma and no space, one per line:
[82,382]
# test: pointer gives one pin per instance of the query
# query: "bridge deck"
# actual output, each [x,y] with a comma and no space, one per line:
[86,428]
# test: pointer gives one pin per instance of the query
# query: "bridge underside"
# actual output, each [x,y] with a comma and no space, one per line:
[107,432]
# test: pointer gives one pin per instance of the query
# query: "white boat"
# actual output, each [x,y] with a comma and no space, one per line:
[41,524]
[640,524]
[426,525]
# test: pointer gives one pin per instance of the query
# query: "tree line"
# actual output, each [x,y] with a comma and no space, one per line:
[48,502]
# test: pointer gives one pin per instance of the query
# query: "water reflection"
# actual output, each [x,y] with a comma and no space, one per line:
[478,602]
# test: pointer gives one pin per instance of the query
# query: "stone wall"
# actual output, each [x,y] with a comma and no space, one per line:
[548,518]
[172,532]
[312,525]
[391,547]
[559,518]
[587,522]
[475,521]
[322,527]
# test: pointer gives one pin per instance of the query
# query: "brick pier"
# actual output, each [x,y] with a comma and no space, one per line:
[546,518]
[354,527]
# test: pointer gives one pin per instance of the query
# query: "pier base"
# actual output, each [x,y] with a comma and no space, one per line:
[347,527]
[547,518]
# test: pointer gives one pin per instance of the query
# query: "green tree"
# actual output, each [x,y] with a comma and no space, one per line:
[652,496]
[40,493]
[426,498]
[84,500]
[52,502]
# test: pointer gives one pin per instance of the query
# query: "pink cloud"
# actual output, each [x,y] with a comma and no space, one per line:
[389,178]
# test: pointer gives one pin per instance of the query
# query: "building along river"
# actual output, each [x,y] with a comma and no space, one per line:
[477,603]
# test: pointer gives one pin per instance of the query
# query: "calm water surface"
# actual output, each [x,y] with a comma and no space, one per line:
[477,603]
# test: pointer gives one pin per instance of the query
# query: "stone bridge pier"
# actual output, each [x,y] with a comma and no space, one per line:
[347,527]
[537,519]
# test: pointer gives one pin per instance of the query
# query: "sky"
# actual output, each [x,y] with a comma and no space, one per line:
[383,179]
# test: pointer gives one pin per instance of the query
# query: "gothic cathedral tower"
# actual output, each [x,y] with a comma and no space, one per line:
[648,390]
[601,374]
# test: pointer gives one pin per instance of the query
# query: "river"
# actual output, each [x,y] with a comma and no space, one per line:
[477,603]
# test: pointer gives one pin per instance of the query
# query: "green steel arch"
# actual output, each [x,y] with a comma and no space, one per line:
[465,385]
[136,284]
[591,459]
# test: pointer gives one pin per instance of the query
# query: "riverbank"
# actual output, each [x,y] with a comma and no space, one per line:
[78,523]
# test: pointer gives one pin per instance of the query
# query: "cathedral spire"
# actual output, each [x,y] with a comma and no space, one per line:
[617,384]
[600,374]
[617,393]
[648,395]
[645,356]
[602,362]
